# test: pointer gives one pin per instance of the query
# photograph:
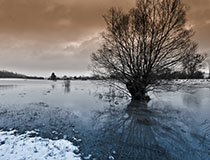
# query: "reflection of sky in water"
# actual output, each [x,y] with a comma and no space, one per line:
[174,125]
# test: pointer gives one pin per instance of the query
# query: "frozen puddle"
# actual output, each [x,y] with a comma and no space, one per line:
[23,146]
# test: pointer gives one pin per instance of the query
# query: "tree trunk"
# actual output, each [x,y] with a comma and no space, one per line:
[138,92]
[137,104]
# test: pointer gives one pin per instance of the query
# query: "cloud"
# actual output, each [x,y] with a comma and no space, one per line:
[48,35]
[199,16]
[70,57]
[68,18]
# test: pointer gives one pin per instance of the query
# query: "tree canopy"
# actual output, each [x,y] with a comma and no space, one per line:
[139,45]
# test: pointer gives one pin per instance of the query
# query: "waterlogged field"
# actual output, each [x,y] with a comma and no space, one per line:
[42,119]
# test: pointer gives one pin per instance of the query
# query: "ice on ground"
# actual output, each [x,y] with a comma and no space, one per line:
[23,146]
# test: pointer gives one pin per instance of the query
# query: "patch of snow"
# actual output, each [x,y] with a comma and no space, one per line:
[23,146]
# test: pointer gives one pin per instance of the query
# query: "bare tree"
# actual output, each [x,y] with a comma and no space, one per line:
[139,45]
[192,61]
[208,64]
[209,68]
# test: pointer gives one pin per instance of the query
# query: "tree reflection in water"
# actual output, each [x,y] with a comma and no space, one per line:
[140,132]
[67,85]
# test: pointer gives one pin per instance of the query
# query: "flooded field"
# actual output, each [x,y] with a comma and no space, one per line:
[101,123]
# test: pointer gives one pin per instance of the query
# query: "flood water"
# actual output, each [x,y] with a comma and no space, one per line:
[105,124]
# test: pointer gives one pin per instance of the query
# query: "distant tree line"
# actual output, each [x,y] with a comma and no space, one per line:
[166,74]
[94,77]
[169,75]
[7,74]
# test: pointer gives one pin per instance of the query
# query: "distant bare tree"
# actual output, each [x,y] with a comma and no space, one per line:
[192,61]
[140,44]
[209,68]
[208,64]
[53,77]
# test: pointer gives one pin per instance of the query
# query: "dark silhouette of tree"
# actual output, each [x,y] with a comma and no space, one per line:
[139,45]
[192,62]
[7,74]
[53,77]
[207,60]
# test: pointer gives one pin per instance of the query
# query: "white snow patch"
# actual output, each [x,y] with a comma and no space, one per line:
[23,146]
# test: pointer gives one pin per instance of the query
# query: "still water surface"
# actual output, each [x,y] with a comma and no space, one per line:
[105,124]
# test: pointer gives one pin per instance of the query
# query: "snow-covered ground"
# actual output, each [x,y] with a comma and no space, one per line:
[24,147]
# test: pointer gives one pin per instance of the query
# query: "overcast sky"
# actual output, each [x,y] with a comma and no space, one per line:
[41,36]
